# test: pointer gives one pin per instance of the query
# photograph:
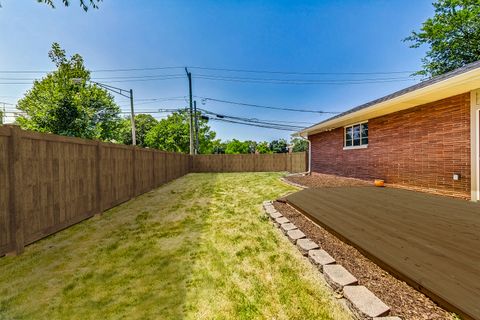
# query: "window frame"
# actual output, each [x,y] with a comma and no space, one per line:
[352,147]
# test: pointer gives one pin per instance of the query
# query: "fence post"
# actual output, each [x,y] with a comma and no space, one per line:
[15,180]
[134,173]
[98,178]
[165,165]
[153,169]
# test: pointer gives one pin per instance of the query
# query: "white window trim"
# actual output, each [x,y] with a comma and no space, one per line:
[361,146]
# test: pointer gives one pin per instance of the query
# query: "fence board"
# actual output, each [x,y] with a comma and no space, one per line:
[116,175]
[159,167]
[57,185]
[277,162]
[5,193]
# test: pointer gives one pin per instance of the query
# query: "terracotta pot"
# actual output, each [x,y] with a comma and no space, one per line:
[379,183]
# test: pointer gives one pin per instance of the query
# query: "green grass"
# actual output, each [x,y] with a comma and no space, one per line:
[197,248]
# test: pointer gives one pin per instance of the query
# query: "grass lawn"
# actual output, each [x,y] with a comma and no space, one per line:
[197,248]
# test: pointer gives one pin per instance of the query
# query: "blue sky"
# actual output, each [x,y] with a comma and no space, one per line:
[301,36]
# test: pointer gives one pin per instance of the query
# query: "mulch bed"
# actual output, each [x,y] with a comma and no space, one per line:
[320,180]
[403,300]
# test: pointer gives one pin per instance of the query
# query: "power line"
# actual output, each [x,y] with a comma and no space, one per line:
[300,82]
[97,70]
[222,77]
[205,99]
[254,125]
[252,120]
[258,71]
[303,73]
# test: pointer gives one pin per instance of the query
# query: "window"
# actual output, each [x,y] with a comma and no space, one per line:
[356,136]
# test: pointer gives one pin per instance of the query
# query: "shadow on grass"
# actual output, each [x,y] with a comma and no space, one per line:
[133,261]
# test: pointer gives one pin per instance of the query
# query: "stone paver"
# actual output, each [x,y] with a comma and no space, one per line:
[275,214]
[267,203]
[338,277]
[320,258]
[270,209]
[294,235]
[364,303]
[287,226]
[282,220]
[306,245]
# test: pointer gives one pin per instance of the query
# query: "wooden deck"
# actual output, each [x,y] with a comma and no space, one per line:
[431,242]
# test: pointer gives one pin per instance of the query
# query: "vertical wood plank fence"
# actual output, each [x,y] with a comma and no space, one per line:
[51,182]
[291,162]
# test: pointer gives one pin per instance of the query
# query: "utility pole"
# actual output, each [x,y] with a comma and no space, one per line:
[120,91]
[197,144]
[134,138]
[189,75]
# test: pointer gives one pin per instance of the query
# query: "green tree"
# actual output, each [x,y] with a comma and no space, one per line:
[235,146]
[172,134]
[452,34]
[252,146]
[57,105]
[279,146]
[84,4]
[143,124]
[217,147]
[263,147]
[299,145]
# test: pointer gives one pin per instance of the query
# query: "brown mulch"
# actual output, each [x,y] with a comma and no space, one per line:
[320,180]
[403,300]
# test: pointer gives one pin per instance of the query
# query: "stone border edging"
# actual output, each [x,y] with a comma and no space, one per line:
[361,301]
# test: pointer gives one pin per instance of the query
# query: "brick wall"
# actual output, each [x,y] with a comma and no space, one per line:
[416,148]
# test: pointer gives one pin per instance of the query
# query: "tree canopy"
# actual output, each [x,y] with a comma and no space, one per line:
[143,124]
[279,146]
[84,4]
[172,134]
[235,146]
[56,104]
[299,145]
[452,34]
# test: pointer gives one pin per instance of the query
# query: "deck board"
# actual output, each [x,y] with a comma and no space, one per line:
[431,242]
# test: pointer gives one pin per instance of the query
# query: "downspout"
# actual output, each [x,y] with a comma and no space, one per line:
[308,172]
[309,156]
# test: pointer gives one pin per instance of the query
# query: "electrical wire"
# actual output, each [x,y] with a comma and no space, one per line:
[251,120]
[254,125]
[301,73]
[299,82]
[205,99]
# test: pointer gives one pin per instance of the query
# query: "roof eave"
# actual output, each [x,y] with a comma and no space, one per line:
[458,84]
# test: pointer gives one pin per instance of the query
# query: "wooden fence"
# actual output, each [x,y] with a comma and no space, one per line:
[50,182]
[291,162]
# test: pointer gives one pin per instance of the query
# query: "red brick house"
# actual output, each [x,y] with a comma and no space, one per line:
[423,137]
